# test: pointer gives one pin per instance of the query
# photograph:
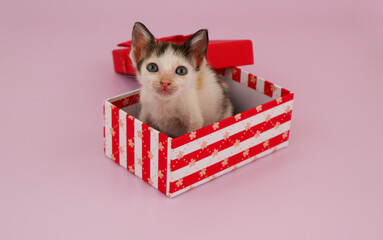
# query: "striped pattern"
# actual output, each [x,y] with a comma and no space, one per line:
[174,166]
[259,84]
[134,145]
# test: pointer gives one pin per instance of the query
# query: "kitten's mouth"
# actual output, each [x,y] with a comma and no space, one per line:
[165,92]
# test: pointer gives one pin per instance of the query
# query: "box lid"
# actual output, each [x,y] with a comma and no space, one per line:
[220,53]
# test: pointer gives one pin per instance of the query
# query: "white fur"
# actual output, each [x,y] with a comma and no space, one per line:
[186,108]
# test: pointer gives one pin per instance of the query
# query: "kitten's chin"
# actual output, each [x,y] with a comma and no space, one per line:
[165,95]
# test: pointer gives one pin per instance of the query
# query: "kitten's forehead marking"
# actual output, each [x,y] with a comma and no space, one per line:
[177,49]
[162,47]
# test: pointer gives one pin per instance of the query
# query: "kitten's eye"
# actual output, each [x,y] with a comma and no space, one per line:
[152,67]
[181,70]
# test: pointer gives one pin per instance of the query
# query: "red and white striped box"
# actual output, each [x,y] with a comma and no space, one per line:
[260,126]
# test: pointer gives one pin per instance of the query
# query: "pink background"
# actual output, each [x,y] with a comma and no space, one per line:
[56,68]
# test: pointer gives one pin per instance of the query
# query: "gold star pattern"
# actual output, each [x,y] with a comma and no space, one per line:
[266,143]
[277,124]
[131,169]
[288,109]
[245,153]
[112,132]
[179,182]
[225,162]
[160,146]
[120,123]
[237,117]
[215,152]
[191,163]
[255,158]
[204,145]
[216,125]
[150,155]
[285,135]
[279,100]
[139,134]
[268,117]
[202,172]
[236,144]
[160,175]
[121,149]
[125,102]
[113,157]
[130,143]
[257,134]
[150,181]
[139,161]
[192,135]
[253,78]
[226,135]
[180,155]
[273,88]
[259,108]
[248,126]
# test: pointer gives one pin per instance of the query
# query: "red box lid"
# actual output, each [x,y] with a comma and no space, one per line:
[220,53]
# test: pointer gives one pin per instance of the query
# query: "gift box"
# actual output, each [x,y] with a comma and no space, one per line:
[221,53]
[260,126]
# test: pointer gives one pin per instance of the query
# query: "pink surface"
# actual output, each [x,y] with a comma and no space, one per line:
[56,69]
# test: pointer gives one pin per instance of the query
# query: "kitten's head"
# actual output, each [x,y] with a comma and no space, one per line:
[167,69]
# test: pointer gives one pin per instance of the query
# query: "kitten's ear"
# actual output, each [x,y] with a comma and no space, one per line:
[197,44]
[141,39]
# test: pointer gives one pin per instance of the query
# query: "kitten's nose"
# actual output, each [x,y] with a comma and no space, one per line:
[164,83]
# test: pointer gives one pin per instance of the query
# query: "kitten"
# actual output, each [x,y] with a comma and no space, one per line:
[179,92]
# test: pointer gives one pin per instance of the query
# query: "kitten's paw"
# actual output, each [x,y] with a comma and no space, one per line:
[143,117]
[195,126]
